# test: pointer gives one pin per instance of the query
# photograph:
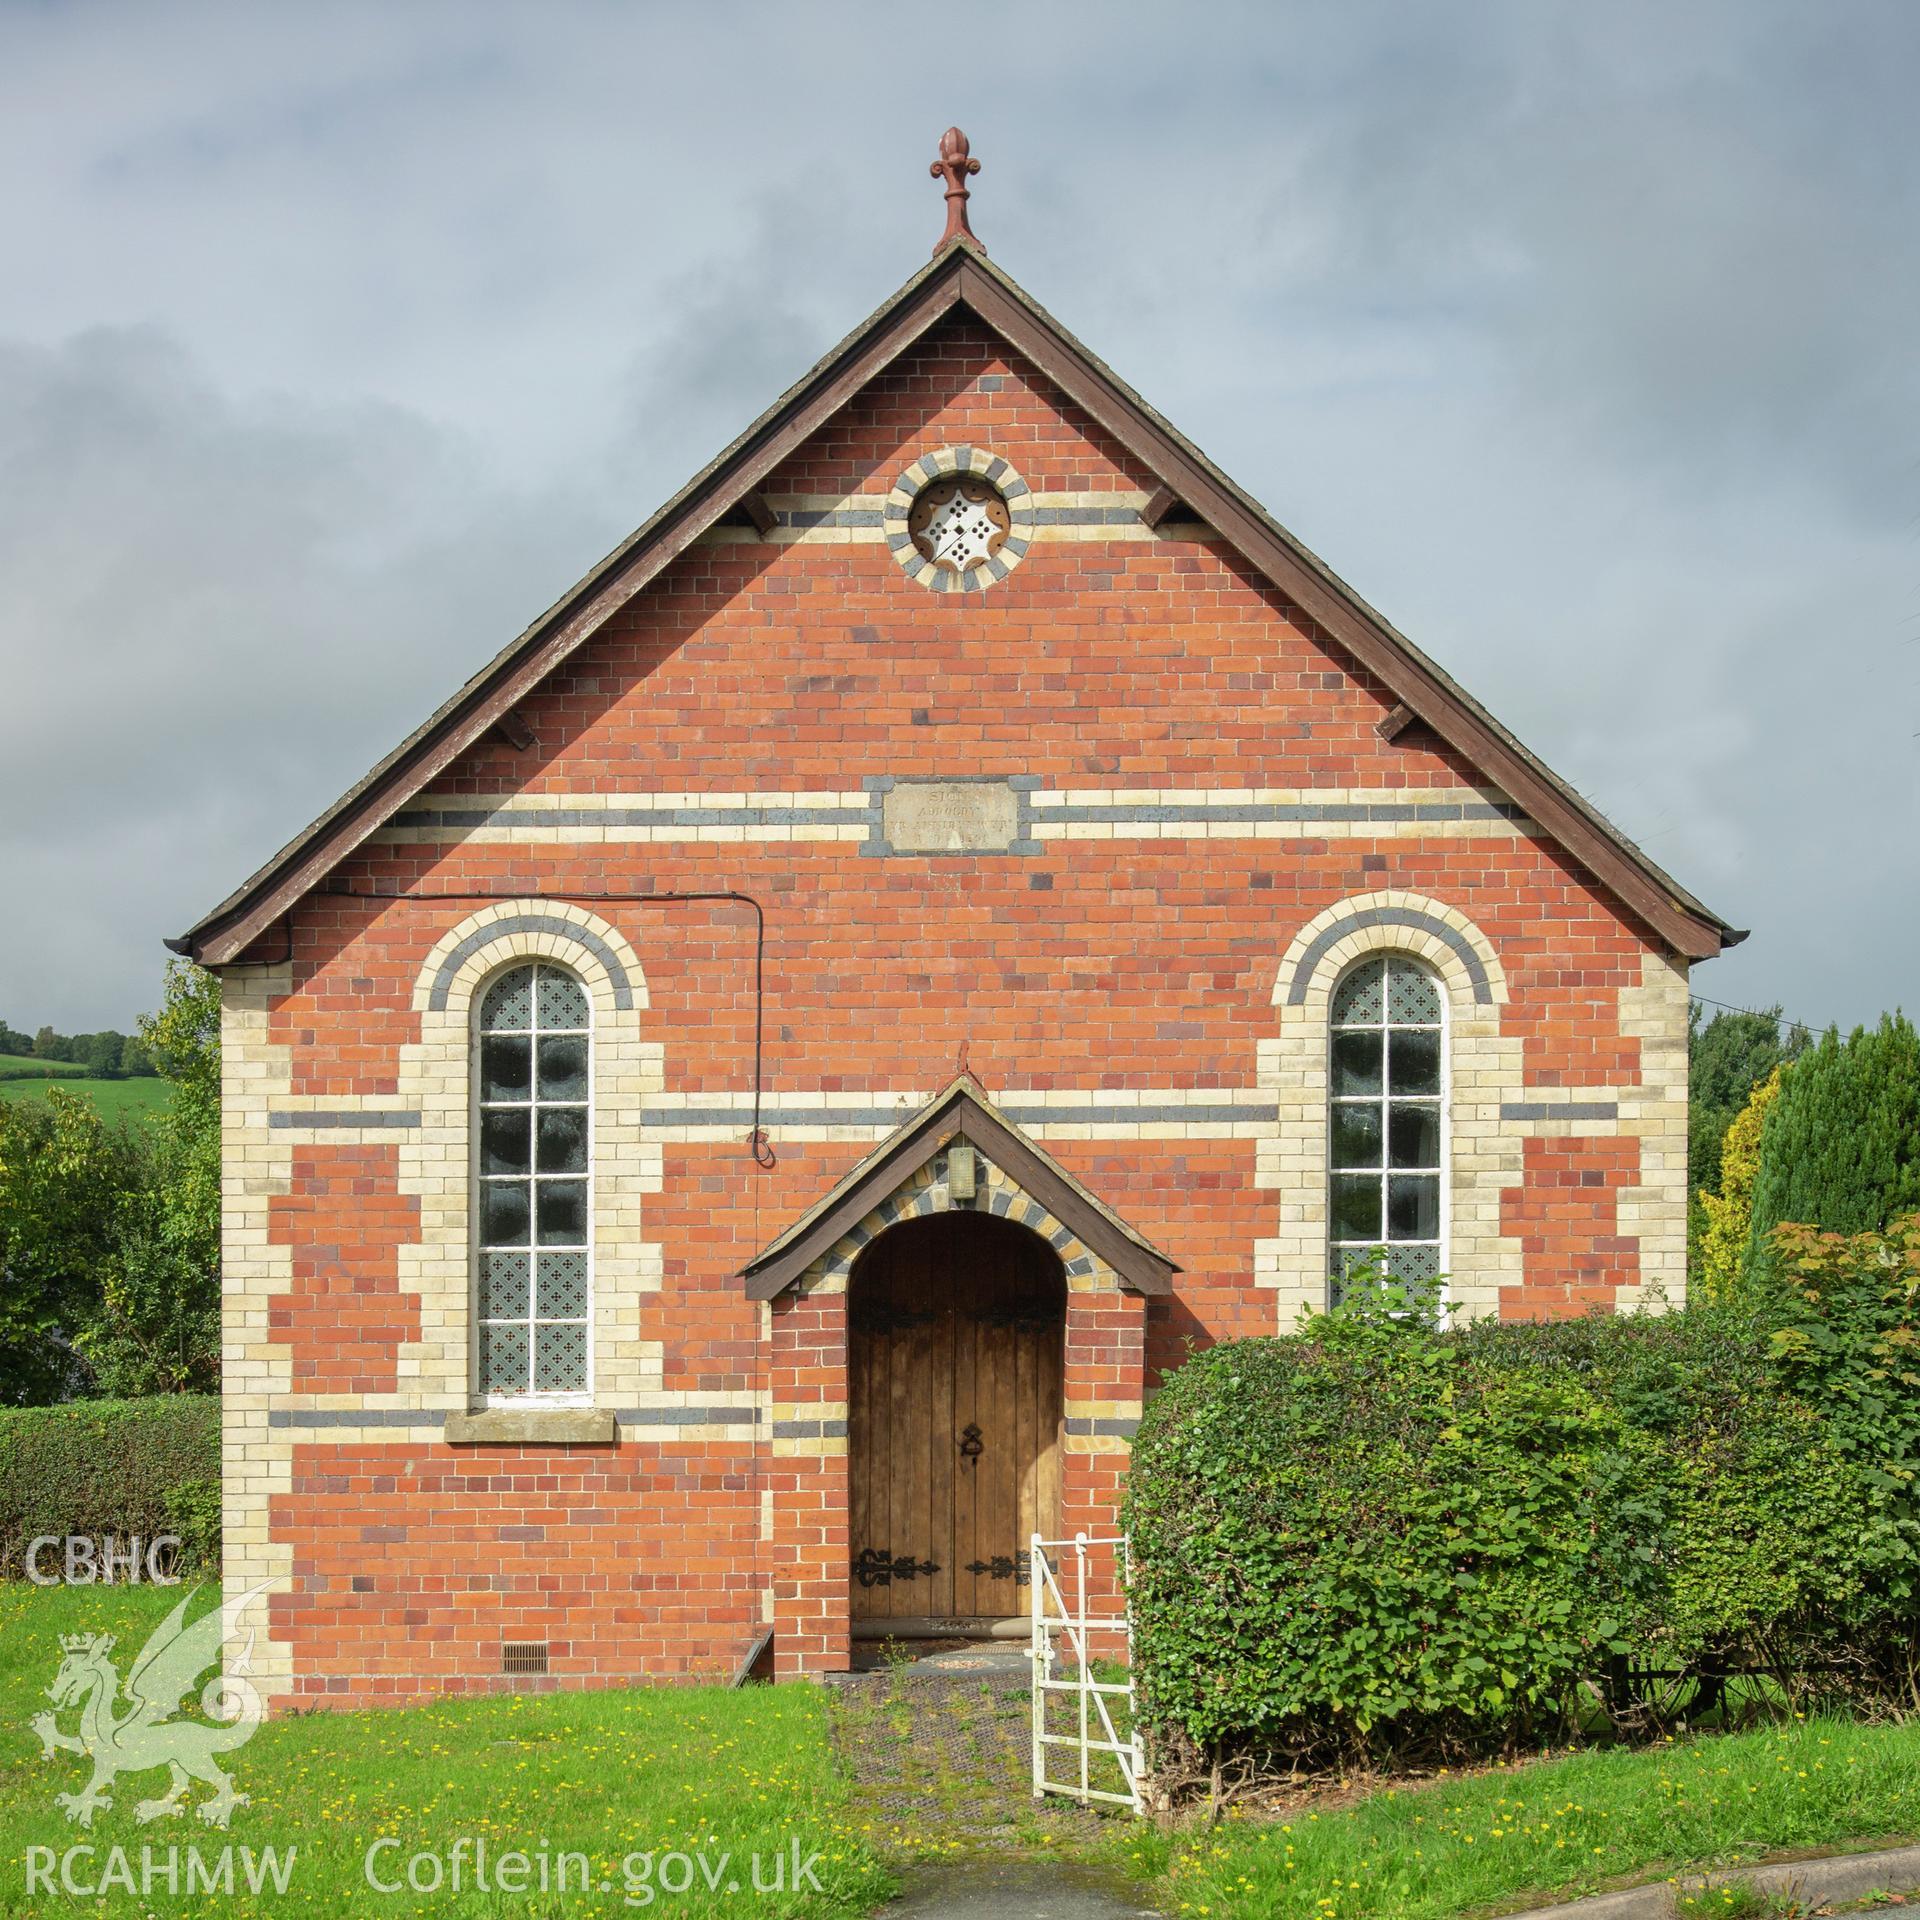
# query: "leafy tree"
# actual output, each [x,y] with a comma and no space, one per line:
[110,1236]
[107,1054]
[156,1326]
[64,1176]
[1840,1151]
[1728,1214]
[100,1053]
[157,1329]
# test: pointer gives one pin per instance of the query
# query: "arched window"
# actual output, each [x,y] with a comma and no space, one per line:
[1387,1125]
[534,1204]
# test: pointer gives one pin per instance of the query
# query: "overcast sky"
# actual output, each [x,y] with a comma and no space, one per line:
[336,341]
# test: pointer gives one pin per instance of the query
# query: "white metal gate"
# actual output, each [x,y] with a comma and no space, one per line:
[1070,1620]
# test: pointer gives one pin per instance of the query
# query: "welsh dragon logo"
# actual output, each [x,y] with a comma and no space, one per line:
[146,1735]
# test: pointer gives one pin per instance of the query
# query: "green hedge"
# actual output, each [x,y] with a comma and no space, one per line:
[1376,1533]
[120,1467]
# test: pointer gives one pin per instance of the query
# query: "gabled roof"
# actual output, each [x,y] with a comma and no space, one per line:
[961,277]
[962,1112]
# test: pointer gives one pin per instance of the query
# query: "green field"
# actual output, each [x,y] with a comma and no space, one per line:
[709,1776]
[26,1064]
[116,1099]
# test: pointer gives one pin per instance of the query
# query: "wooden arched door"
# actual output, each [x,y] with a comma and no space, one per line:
[954,1362]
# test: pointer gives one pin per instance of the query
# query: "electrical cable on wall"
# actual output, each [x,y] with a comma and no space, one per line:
[757,1142]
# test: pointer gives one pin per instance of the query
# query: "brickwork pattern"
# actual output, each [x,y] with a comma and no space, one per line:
[1207,797]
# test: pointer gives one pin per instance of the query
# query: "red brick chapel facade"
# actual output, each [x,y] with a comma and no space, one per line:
[727,1124]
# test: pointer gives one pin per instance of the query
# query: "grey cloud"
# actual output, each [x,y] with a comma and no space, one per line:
[214,616]
[1579,339]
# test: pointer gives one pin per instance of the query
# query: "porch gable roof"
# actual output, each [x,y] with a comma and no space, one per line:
[961,1112]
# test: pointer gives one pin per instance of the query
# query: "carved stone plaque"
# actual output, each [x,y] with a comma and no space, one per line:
[950,816]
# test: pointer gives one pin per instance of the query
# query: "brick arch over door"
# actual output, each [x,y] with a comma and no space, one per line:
[1103,1351]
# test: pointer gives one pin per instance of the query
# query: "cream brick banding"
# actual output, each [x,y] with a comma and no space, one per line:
[1052,814]
[1055,1113]
[1653,1211]
[1094,1113]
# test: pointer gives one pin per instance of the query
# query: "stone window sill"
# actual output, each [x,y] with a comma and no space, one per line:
[531,1426]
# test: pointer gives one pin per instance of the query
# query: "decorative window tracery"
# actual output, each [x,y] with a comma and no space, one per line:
[959,520]
[959,523]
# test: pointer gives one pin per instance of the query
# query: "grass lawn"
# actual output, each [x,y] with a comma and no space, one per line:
[115,1098]
[1522,1835]
[700,1773]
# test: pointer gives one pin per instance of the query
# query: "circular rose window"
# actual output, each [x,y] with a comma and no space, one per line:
[959,519]
[958,523]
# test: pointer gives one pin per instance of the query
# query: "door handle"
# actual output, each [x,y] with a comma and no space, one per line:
[971,1444]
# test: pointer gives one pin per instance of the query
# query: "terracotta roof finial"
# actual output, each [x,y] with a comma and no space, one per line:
[953,166]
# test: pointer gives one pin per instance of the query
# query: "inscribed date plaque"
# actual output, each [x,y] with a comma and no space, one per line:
[951,816]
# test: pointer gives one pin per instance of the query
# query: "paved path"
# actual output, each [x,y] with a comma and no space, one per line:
[939,1751]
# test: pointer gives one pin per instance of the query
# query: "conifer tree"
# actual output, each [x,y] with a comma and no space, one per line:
[1840,1149]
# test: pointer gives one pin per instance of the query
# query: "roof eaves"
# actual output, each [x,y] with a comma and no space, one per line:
[1686,902]
[570,605]
[221,934]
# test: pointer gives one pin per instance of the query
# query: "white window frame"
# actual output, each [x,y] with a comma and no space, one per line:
[1441,1244]
[480,1395]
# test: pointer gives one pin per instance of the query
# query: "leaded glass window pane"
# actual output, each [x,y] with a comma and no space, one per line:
[503,1286]
[505,1210]
[1416,1059]
[1415,1137]
[535,1308]
[508,1007]
[506,1141]
[1385,1126]
[563,1140]
[563,1002]
[503,1357]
